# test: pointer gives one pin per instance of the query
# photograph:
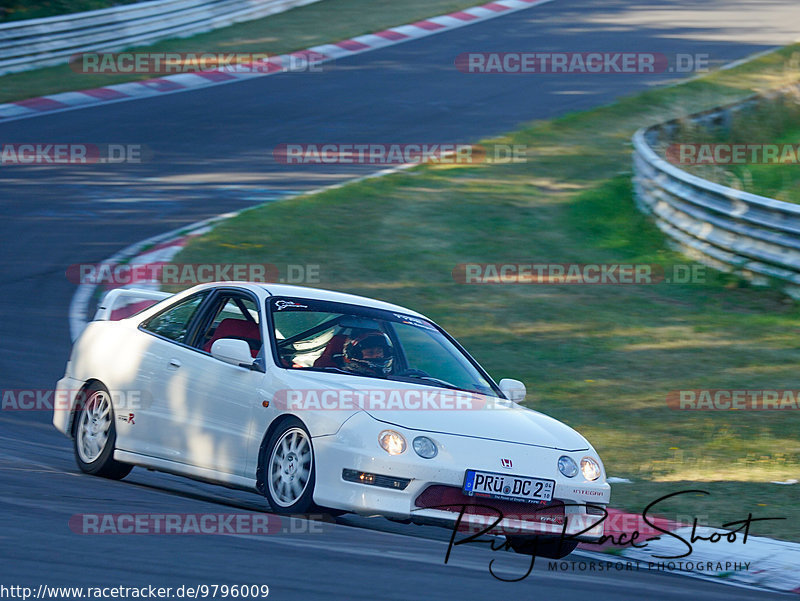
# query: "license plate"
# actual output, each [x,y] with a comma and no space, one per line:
[507,487]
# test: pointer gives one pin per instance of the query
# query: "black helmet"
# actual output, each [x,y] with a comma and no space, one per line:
[353,354]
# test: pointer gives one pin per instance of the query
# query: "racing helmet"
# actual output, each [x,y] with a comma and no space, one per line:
[369,354]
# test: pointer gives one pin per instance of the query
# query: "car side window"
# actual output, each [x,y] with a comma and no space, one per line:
[173,323]
[236,316]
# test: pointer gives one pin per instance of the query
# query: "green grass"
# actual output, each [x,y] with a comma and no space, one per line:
[776,122]
[781,181]
[723,504]
[600,358]
[319,23]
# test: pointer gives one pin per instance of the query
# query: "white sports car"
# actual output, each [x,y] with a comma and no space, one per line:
[321,399]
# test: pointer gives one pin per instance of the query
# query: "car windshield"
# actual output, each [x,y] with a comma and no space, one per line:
[335,337]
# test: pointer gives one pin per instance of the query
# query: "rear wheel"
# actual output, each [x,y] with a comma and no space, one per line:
[549,547]
[94,436]
[289,477]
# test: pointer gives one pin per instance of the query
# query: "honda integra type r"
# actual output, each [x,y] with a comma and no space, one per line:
[323,400]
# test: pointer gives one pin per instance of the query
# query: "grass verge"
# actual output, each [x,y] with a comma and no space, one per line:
[600,358]
[775,124]
[319,23]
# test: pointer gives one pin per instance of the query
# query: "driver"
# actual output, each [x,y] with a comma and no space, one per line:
[368,354]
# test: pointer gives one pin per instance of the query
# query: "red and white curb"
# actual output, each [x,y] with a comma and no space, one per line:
[294,61]
[768,563]
[163,252]
[159,248]
[761,562]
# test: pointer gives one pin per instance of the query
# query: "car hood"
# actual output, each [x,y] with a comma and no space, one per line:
[509,424]
[485,417]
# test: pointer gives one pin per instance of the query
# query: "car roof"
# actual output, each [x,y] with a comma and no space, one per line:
[300,292]
[332,295]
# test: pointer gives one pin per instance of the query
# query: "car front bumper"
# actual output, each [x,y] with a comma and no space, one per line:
[355,447]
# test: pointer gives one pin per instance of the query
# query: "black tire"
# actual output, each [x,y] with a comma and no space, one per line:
[542,546]
[289,469]
[93,453]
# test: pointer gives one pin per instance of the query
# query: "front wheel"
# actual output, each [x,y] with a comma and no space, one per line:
[95,436]
[541,546]
[289,478]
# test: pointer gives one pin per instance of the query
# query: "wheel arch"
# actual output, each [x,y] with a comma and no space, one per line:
[262,450]
[78,404]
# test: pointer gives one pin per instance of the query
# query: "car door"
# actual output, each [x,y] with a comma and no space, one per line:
[211,403]
[149,430]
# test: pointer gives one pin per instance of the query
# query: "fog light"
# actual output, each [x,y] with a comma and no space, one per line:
[425,447]
[594,509]
[590,468]
[375,479]
[392,442]
[567,466]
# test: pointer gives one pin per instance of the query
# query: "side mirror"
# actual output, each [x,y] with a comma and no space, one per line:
[232,350]
[513,389]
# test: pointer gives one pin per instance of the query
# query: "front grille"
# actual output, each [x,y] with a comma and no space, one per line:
[451,498]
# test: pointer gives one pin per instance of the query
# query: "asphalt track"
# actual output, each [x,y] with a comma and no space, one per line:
[211,153]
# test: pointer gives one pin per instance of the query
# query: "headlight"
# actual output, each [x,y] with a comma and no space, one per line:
[392,442]
[590,468]
[425,447]
[567,466]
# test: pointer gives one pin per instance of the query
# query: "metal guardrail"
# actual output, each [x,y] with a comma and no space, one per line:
[734,231]
[50,41]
